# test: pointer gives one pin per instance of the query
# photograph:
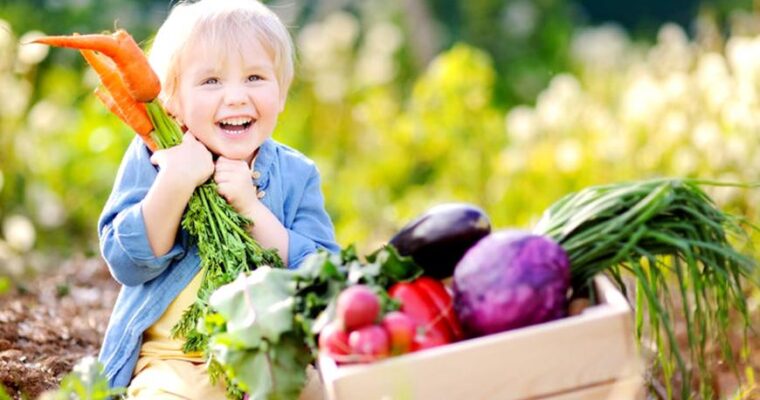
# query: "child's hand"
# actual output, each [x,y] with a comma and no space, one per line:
[233,180]
[189,162]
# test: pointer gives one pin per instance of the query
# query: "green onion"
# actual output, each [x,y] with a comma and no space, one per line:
[666,233]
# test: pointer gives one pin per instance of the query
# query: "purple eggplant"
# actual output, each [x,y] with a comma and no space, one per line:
[438,239]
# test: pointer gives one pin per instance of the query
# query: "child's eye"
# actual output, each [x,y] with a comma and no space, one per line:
[254,78]
[210,81]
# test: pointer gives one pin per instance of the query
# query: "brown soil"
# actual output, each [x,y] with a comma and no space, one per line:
[46,327]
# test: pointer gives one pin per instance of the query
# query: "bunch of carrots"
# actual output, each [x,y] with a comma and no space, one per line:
[129,88]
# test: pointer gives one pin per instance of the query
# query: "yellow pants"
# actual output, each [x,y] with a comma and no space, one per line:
[177,379]
[173,380]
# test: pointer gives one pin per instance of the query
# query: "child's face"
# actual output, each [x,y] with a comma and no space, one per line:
[230,103]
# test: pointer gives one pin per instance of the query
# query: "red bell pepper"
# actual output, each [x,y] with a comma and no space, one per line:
[443,302]
[428,303]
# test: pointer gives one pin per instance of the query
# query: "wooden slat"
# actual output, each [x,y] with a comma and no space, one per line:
[626,388]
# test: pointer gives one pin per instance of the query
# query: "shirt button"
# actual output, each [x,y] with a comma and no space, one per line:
[255,174]
[261,194]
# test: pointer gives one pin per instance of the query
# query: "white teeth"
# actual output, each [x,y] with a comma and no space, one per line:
[235,121]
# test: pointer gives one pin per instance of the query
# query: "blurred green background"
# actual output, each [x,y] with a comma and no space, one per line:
[507,104]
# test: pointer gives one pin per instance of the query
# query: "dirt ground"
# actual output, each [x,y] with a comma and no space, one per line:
[47,326]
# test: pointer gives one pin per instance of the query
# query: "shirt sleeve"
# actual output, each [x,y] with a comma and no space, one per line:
[121,227]
[312,228]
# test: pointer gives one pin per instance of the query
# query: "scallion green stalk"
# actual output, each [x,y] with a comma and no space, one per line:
[666,233]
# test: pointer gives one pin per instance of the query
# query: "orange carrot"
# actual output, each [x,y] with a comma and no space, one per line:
[117,98]
[102,94]
[110,103]
[140,80]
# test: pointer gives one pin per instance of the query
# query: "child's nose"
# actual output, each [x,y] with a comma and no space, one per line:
[235,95]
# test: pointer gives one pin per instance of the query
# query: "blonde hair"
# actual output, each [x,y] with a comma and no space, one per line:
[219,26]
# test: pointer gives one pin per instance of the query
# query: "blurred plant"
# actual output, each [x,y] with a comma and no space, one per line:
[385,158]
[58,155]
[86,381]
[5,285]
[528,40]
[676,108]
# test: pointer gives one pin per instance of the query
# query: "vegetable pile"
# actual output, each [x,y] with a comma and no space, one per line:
[661,234]
[265,330]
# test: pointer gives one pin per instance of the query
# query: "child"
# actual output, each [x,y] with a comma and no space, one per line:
[225,68]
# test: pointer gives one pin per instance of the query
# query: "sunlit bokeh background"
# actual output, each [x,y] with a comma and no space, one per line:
[507,104]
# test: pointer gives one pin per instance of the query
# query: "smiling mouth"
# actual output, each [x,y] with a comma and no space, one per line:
[235,125]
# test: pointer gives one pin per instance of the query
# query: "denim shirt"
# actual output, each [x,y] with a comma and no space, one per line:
[291,186]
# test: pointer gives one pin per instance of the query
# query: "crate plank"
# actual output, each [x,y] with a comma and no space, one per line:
[627,388]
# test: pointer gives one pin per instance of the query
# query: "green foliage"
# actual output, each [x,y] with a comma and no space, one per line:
[268,296]
[254,314]
[226,249]
[528,41]
[403,156]
[263,334]
[5,284]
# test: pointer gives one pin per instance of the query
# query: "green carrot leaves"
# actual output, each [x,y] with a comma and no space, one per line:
[225,247]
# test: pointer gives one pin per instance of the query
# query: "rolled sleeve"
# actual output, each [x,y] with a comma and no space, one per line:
[312,228]
[128,252]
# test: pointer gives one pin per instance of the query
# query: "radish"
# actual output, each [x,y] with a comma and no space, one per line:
[369,343]
[401,329]
[333,341]
[357,306]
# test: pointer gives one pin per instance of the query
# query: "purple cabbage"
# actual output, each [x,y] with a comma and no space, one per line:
[510,279]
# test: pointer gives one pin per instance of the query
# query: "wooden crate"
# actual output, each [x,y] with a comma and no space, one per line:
[587,356]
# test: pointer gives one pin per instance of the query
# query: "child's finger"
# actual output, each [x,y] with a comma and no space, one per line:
[222,192]
[225,162]
[220,177]
[223,176]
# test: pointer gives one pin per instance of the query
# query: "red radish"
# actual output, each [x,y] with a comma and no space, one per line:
[401,329]
[333,341]
[358,306]
[369,343]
